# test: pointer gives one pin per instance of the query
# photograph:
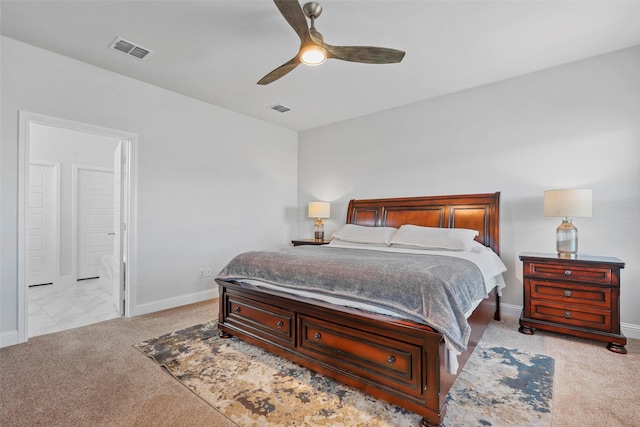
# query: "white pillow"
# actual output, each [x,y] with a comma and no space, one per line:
[361,234]
[456,239]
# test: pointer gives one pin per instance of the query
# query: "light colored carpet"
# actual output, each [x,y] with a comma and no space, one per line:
[498,387]
[93,376]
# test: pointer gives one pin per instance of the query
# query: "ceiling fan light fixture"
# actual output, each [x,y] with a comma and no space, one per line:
[313,55]
[314,51]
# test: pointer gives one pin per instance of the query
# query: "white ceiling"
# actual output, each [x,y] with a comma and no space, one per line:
[216,50]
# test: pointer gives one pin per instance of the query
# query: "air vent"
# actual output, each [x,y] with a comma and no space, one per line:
[280,108]
[131,49]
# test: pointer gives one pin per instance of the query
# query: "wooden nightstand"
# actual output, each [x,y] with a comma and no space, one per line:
[301,242]
[577,296]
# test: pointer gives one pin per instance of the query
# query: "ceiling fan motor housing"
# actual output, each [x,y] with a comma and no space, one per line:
[312,9]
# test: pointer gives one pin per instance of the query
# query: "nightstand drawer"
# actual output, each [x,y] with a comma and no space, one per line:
[571,293]
[584,317]
[574,273]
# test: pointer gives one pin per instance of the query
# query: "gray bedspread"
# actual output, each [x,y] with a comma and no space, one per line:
[430,289]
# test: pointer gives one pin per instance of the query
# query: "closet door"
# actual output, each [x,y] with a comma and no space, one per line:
[42,221]
[95,220]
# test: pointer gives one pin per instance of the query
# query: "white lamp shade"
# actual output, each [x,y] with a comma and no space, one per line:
[567,203]
[319,209]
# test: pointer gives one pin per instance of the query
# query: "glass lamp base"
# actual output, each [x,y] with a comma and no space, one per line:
[318,230]
[567,239]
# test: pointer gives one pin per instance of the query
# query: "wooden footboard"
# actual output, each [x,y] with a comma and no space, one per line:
[401,362]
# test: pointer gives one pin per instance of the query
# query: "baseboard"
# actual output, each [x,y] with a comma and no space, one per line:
[168,303]
[510,310]
[8,338]
[629,330]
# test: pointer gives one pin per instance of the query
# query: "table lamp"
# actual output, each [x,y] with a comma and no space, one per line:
[319,210]
[568,204]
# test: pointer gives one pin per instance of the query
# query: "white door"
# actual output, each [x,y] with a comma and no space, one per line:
[118,228]
[95,220]
[41,224]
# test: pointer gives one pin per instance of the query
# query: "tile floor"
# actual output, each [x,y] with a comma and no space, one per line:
[54,309]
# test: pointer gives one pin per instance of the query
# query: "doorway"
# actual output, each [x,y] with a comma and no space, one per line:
[89,237]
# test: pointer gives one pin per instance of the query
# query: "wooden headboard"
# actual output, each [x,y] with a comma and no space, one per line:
[474,211]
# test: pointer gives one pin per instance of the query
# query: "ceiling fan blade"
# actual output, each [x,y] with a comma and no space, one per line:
[280,71]
[366,54]
[294,15]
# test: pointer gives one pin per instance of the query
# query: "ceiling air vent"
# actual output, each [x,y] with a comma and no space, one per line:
[131,49]
[280,108]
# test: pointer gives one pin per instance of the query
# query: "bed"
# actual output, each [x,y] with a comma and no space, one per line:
[398,359]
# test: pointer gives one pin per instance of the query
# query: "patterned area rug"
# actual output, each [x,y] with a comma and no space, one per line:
[498,387]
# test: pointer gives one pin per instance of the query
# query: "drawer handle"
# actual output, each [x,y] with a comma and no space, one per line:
[317,336]
[567,314]
[237,310]
[567,293]
[567,272]
[279,324]
[391,360]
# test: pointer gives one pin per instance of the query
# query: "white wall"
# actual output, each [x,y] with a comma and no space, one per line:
[210,182]
[574,126]
[69,147]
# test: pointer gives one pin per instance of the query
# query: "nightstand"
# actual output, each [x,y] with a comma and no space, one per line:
[302,242]
[574,296]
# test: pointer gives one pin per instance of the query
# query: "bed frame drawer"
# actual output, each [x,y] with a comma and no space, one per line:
[396,363]
[269,323]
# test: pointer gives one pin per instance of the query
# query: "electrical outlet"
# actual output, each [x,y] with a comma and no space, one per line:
[202,272]
[207,271]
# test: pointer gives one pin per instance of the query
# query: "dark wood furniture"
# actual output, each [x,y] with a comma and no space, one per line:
[576,296]
[301,242]
[399,361]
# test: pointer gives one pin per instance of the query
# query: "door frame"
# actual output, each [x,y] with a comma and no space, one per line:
[56,213]
[130,147]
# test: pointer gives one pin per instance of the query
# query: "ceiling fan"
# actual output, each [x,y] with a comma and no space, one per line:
[314,51]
